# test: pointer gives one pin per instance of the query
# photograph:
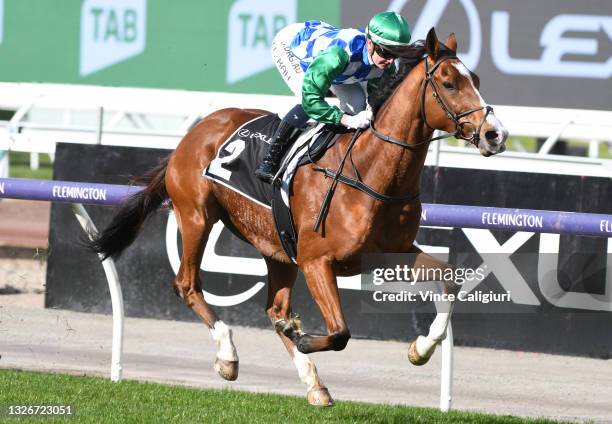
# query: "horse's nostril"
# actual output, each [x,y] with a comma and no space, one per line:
[492,136]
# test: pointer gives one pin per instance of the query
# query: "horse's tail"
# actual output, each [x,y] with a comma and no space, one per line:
[132,213]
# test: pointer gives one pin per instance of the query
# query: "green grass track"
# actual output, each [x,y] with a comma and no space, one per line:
[98,400]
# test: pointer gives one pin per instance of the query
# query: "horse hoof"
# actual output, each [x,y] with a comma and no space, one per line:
[414,357]
[320,397]
[228,370]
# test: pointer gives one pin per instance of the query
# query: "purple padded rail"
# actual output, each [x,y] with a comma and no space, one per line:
[65,191]
[538,221]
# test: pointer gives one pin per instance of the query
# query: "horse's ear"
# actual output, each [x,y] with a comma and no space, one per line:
[451,42]
[431,44]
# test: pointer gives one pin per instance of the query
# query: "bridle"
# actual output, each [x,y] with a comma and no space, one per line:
[356,183]
[454,117]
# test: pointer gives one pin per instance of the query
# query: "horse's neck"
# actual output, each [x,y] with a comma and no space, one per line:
[397,170]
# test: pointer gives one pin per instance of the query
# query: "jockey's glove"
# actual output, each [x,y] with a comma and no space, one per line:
[361,120]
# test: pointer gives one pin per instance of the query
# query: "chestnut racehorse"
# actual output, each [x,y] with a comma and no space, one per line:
[439,92]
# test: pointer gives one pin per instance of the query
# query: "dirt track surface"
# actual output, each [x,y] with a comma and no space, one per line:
[24,223]
[494,381]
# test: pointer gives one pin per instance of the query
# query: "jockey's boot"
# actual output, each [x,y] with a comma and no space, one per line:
[269,165]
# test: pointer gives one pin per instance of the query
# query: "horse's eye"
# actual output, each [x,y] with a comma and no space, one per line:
[448,85]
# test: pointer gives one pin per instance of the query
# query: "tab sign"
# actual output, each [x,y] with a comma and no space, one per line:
[252,24]
[111,31]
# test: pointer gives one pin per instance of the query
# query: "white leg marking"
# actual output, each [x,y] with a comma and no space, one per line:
[437,333]
[306,369]
[222,335]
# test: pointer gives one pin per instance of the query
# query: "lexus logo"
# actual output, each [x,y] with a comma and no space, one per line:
[212,262]
[430,17]
[555,41]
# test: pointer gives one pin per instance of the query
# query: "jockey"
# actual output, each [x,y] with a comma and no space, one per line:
[314,57]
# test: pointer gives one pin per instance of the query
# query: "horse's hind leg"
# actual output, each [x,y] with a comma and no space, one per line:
[281,277]
[421,349]
[195,222]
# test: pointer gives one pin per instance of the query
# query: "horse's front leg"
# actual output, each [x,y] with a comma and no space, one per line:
[321,282]
[421,349]
[281,278]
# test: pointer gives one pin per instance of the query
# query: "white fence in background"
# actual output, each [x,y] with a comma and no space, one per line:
[50,113]
[4,164]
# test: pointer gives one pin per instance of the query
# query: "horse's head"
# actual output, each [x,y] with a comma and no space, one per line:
[452,102]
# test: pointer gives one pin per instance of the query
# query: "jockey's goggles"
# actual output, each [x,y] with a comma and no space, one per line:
[383,53]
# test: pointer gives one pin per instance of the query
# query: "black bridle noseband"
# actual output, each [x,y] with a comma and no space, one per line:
[455,118]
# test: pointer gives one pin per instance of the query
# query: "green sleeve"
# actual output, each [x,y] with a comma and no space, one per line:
[317,80]
[374,83]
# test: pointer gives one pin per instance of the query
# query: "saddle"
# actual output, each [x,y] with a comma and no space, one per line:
[239,156]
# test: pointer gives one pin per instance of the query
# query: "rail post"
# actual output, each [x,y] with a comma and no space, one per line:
[115,292]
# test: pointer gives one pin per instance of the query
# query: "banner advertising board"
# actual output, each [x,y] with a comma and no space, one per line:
[191,44]
[554,53]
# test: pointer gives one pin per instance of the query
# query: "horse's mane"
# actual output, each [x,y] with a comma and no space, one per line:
[408,58]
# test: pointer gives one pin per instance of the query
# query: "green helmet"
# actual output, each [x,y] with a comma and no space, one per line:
[389,29]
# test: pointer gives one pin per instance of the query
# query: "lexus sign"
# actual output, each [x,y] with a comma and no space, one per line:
[555,53]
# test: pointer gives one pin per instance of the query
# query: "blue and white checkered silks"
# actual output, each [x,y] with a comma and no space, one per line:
[316,36]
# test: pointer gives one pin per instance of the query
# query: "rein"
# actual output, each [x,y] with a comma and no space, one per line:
[356,183]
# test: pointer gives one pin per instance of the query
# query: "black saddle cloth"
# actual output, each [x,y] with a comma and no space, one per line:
[241,153]
[239,156]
